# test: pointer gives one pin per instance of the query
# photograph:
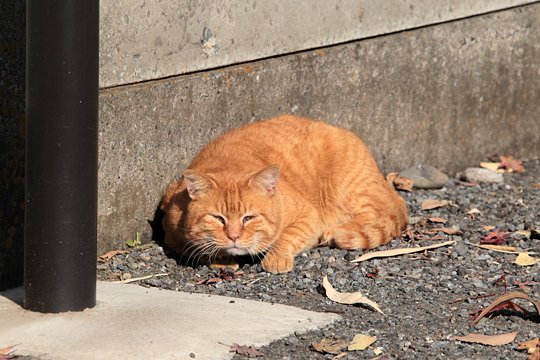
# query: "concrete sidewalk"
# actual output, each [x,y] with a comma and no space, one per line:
[133,322]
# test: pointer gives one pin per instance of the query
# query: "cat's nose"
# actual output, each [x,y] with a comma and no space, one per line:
[233,237]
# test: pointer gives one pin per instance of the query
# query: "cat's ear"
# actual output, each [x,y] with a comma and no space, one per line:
[266,179]
[196,184]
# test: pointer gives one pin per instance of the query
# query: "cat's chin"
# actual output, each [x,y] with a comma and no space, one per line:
[234,251]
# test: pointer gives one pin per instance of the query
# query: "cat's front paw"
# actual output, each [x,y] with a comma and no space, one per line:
[277,264]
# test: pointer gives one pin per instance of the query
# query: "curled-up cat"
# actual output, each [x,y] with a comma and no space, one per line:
[276,187]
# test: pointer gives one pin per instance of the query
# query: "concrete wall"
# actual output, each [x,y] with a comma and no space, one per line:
[149,39]
[446,95]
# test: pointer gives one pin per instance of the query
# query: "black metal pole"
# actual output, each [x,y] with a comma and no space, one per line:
[61,155]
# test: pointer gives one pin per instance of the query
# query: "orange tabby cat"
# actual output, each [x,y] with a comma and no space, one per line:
[276,187]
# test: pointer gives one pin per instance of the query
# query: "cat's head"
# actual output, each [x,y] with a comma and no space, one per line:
[230,215]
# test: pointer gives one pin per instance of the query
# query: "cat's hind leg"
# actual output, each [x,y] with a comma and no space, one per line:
[366,229]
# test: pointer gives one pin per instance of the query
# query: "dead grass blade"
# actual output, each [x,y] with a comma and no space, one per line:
[127,281]
[503,298]
[400,251]
[348,298]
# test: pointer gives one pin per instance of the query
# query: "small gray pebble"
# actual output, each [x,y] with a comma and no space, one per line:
[481,175]
[425,177]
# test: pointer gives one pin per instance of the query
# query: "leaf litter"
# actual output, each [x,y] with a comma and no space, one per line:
[400,251]
[400,182]
[431,204]
[361,342]
[492,340]
[524,259]
[245,350]
[508,304]
[495,238]
[348,298]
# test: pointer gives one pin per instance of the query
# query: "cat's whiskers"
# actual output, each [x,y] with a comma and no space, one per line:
[207,250]
[197,248]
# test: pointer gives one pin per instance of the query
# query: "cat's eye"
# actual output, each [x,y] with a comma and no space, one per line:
[220,218]
[246,218]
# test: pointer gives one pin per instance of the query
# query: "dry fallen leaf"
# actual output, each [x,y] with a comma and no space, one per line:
[245,350]
[488,227]
[530,234]
[511,165]
[348,298]
[401,251]
[530,345]
[438,220]
[109,255]
[327,346]
[503,298]
[361,342]
[403,183]
[399,182]
[447,231]
[524,259]
[493,340]
[494,166]
[473,212]
[433,204]
[495,237]
[536,186]
[501,248]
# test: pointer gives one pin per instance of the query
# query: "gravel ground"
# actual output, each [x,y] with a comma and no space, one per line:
[418,292]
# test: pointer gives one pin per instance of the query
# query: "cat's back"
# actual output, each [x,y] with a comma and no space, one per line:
[283,140]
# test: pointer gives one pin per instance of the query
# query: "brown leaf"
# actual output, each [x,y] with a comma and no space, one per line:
[493,340]
[327,346]
[524,259]
[438,220]
[361,342]
[447,231]
[473,212]
[401,251]
[225,274]
[526,345]
[511,165]
[403,183]
[495,238]
[494,166]
[245,350]
[503,298]
[399,182]
[501,248]
[536,186]
[109,255]
[348,298]
[430,204]
[505,305]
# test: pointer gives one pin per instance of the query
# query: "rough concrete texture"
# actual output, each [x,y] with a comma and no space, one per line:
[149,39]
[445,95]
[132,322]
[12,103]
